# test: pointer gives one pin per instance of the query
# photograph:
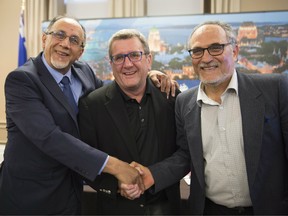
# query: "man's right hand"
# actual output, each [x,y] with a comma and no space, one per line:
[124,172]
[130,191]
[146,175]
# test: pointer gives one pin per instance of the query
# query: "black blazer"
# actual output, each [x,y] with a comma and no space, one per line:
[103,123]
[264,110]
[44,156]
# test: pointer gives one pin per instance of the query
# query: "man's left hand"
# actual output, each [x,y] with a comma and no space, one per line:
[164,82]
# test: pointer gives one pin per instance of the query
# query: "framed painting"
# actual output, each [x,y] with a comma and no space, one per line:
[262,38]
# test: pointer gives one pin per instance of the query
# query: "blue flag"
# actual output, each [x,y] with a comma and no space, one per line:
[22,53]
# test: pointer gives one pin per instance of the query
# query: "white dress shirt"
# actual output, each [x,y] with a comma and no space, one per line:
[223,148]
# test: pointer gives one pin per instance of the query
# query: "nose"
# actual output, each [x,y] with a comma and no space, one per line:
[127,61]
[65,42]
[206,56]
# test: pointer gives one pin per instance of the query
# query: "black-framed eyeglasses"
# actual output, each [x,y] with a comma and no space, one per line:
[134,56]
[61,35]
[213,50]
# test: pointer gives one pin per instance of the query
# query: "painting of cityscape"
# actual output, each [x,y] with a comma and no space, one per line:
[262,38]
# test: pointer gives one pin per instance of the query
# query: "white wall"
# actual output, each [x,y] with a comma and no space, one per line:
[1,152]
[174,7]
[9,22]
[87,9]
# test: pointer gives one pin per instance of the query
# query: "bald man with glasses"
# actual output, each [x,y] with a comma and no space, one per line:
[232,131]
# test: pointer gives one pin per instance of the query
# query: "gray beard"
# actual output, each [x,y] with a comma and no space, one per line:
[59,65]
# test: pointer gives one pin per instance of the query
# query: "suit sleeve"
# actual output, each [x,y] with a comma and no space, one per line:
[283,97]
[104,183]
[172,169]
[28,107]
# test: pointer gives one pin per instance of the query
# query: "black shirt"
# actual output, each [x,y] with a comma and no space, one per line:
[142,125]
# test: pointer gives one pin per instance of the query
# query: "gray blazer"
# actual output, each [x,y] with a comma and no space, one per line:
[264,110]
[44,158]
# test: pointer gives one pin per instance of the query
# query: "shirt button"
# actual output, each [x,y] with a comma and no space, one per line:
[141,205]
[142,120]
[237,195]
[222,129]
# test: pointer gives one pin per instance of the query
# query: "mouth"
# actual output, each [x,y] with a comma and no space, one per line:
[208,67]
[63,54]
[129,73]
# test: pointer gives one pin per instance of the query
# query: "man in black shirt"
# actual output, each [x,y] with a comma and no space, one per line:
[133,121]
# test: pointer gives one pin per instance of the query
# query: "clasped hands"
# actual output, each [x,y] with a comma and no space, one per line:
[133,191]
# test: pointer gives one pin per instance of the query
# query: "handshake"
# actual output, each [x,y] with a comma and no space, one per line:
[133,178]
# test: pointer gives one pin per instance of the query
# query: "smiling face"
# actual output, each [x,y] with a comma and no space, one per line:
[61,54]
[130,76]
[213,70]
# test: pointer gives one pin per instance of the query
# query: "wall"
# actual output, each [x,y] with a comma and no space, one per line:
[9,23]
[179,7]
[263,5]
[86,9]
[76,8]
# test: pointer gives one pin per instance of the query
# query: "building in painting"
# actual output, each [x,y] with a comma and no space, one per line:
[155,42]
[247,34]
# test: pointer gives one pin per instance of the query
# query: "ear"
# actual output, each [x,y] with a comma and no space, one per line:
[235,52]
[81,52]
[149,59]
[44,37]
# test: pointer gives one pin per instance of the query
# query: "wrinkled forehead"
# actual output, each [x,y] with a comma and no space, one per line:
[68,25]
[127,44]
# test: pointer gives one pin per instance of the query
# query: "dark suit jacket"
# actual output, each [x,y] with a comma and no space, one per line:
[104,122]
[43,156]
[264,110]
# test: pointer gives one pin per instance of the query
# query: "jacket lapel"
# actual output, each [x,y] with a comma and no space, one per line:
[86,83]
[253,114]
[116,109]
[194,137]
[160,114]
[50,83]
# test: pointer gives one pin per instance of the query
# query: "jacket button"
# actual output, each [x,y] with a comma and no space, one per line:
[141,205]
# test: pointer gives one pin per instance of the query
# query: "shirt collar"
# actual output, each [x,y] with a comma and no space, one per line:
[202,97]
[56,74]
[147,90]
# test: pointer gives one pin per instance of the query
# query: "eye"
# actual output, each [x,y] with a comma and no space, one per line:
[216,48]
[135,55]
[74,40]
[118,58]
[60,35]
[197,51]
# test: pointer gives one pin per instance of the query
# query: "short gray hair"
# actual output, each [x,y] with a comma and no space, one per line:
[127,34]
[225,26]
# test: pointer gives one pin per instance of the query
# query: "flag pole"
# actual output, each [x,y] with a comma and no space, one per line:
[22,52]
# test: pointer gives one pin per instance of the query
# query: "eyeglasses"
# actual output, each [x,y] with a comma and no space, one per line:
[213,50]
[61,35]
[132,56]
